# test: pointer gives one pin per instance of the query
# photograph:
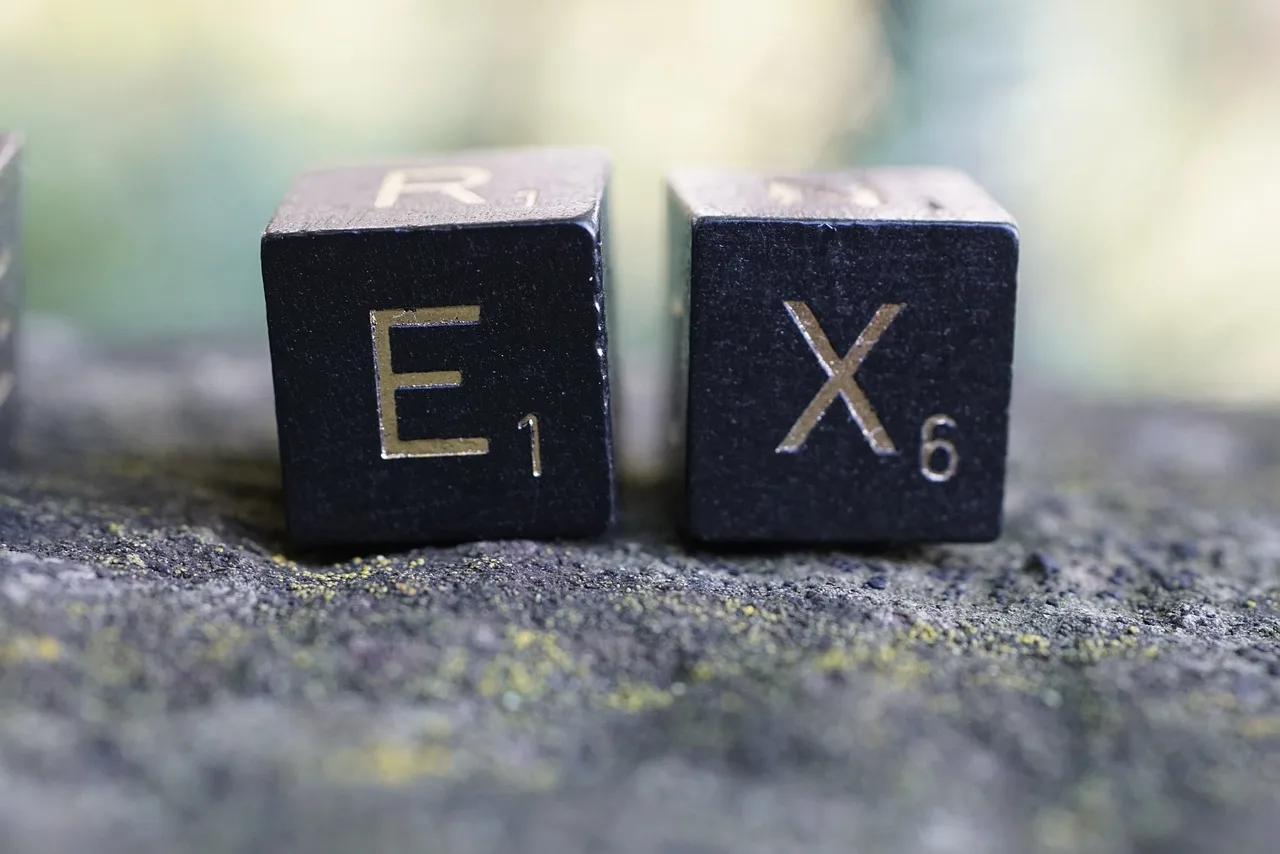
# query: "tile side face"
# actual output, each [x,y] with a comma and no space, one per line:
[848,382]
[11,285]
[678,269]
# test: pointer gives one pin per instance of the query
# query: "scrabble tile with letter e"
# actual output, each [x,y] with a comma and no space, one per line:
[10,284]
[439,349]
[846,343]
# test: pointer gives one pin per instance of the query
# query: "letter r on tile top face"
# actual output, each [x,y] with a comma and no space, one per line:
[456,182]
[438,348]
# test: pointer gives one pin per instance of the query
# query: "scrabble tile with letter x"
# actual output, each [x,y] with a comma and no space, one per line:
[10,283]
[438,346]
[847,342]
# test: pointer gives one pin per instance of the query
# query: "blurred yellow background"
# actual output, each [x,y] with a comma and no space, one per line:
[1138,143]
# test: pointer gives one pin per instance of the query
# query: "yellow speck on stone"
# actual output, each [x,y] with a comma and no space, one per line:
[701,672]
[47,648]
[521,681]
[748,609]
[923,631]
[1267,726]
[636,697]
[389,763]
[530,671]
[1056,830]
[1133,630]
[1249,603]
[833,659]
[1223,700]
[31,648]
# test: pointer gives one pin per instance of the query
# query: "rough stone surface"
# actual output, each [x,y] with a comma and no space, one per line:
[1105,678]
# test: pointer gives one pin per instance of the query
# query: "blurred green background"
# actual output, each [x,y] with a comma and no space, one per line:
[1138,143]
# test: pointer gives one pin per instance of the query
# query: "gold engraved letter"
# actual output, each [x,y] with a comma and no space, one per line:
[789,194]
[388,381]
[456,182]
[840,378]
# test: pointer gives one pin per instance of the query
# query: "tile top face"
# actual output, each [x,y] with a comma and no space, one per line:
[861,195]
[465,189]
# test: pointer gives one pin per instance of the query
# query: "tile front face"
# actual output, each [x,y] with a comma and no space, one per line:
[850,341]
[438,344]
[10,284]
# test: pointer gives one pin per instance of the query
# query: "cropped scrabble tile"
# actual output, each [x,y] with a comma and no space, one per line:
[438,346]
[847,341]
[10,284]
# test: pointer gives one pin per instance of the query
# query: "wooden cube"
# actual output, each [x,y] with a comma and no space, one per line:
[847,345]
[439,349]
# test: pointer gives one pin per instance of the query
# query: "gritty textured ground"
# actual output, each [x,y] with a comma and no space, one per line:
[172,678]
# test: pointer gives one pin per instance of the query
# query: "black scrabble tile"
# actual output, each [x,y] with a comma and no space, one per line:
[10,283]
[847,341]
[438,345]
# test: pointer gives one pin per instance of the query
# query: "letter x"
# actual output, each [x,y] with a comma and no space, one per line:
[840,378]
